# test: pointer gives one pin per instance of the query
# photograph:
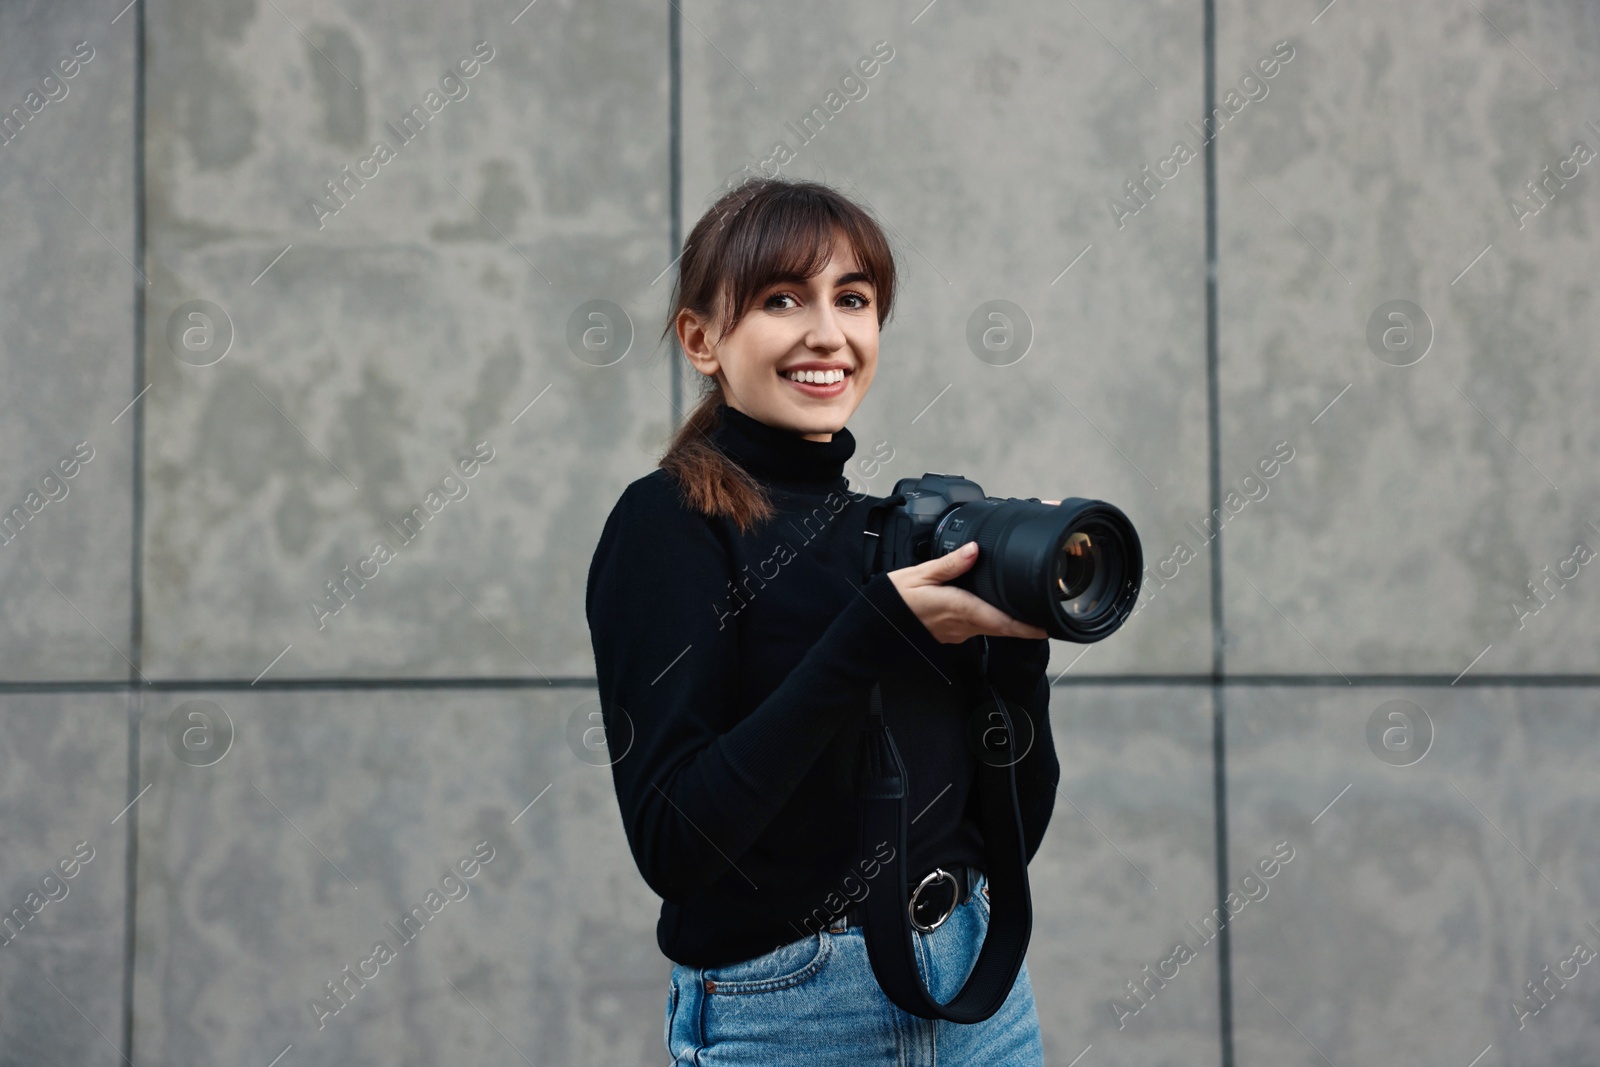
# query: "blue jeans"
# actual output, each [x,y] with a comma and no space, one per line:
[816,1001]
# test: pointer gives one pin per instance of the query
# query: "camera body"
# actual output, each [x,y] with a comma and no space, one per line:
[1073,569]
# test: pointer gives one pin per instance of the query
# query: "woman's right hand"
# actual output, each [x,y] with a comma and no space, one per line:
[949,613]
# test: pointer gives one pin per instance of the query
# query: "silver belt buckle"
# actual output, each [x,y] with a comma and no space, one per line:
[935,875]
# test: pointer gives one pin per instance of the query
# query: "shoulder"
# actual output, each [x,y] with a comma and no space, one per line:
[653,508]
[650,526]
[658,488]
[657,496]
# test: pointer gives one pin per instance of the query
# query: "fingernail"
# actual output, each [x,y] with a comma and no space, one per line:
[969,548]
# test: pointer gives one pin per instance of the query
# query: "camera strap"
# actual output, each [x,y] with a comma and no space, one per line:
[877,549]
[882,785]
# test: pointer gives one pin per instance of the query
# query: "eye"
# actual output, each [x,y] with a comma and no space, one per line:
[862,301]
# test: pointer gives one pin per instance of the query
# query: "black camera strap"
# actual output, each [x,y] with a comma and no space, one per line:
[882,785]
[879,548]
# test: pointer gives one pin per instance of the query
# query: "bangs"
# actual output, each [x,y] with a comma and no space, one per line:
[778,238]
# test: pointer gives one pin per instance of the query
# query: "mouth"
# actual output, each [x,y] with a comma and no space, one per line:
[819,383]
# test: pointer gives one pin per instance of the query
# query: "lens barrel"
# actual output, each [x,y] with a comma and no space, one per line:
[1073,569]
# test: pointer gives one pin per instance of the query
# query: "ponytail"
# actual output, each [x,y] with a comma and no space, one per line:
[711,482]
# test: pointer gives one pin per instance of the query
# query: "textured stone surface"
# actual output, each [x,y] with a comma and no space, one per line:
[423,317]
[245,910]
[1422,501]
[1127,861]
[371,352]
[990,145]
[64,765]
[66,341]
[1424,898]
[264,874]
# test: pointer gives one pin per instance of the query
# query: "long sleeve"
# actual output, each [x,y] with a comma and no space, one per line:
[696,782]
[1018,666]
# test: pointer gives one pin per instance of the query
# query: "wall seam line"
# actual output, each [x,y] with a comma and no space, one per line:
[1219,705]
[576,681]
[674,184]
[134,705]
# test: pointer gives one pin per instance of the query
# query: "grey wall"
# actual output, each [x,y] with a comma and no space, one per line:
[353,360]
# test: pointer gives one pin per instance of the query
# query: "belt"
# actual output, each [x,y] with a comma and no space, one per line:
[933,899]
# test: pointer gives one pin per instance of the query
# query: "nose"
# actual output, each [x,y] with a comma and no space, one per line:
[823,331]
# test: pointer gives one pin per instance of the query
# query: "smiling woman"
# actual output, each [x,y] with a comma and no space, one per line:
[738,791]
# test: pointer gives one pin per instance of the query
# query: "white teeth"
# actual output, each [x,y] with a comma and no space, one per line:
[817,377]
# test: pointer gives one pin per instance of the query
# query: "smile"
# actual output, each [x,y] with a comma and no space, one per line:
[818,383]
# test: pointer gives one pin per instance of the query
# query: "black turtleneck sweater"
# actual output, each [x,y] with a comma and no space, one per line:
[734,673]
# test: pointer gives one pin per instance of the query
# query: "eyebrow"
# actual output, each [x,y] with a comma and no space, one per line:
[800,279]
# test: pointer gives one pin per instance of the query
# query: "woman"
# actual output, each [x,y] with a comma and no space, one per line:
[736,643]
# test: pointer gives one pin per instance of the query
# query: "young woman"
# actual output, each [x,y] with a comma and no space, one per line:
[736,643]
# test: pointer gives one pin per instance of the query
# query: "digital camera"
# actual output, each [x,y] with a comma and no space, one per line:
[1072,569]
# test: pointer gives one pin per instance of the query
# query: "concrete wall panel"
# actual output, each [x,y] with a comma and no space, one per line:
[64,762]
[67,282]
[1382,163]
[376,345]
[263,874]
[1430,883]
[1127,861]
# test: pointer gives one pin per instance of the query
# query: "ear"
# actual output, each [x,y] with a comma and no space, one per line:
[696,343]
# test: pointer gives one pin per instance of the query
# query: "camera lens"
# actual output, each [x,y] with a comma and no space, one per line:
[1072,569]
[1090,564]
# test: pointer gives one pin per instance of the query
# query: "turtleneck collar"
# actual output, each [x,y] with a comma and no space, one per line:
[777,455]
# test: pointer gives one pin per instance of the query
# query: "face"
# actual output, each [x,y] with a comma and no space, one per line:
[826,322]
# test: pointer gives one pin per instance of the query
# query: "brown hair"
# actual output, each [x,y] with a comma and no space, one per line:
[761,229]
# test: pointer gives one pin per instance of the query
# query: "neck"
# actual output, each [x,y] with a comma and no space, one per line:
[773,454]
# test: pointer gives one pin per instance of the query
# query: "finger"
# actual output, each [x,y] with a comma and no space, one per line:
[1018,628]
[951,564]
[987,618]
[1015,627]
[1049,501]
